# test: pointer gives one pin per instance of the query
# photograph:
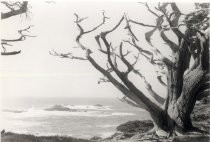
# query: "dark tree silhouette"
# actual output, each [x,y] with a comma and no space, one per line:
[187,69]
[15,8]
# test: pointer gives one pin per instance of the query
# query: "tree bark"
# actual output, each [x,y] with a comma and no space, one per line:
[185,84]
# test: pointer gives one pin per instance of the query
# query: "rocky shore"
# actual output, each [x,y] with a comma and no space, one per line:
[132,131]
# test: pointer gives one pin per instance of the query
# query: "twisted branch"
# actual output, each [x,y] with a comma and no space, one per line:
[66,55]
[23,36]
[22,8]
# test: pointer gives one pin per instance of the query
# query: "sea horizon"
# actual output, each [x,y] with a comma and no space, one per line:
[68,116]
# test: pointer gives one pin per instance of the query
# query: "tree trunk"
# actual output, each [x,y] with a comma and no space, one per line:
[182,98]
[183,90]
[185,84]
[177,115]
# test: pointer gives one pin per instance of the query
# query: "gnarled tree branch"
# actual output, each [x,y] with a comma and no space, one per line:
[23,36]
[22,8]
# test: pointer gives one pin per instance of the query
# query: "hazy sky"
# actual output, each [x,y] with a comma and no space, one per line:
[35,73]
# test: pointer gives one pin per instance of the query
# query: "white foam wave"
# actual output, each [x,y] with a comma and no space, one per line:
[80,110]
[19,125]
[89,107]
[42,113]
[107,134]
[107,126]
[62,108]
[122,114]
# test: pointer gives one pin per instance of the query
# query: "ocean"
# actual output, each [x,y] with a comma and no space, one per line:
[76,117]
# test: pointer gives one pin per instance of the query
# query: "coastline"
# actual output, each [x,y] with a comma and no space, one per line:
[130,131]
[123,131]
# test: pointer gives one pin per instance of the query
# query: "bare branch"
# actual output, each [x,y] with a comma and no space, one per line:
[123,75]
[128,101]
[103,34]
[162,7]
[158,98]
[141,50]
[66,55]
[82,32]
[150,9]
[161,81]
[142,24]
[103,80]
[117,84]
[3,45]
[128,26]
[22,9]
[21,38]
[176,12]
[10,6]
[78,19]
[168,63]
[97,38]
[103,21]
[174,22]
[11,53]
[108,46]
[171,44]
[136,59]
[149,34]
[129,66]
[149,88]
[146,53]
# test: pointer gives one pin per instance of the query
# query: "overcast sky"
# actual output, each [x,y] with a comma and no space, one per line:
[35,73]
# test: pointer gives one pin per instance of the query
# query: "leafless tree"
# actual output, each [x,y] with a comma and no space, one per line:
[185,83]
[15,8]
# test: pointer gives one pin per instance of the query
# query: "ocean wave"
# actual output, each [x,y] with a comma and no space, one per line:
[106,134]
[89,107]
[60,108]
[122,114]
[43,113]
[32,112]
[107,126]
[77,108]
[67,110]
[13,111]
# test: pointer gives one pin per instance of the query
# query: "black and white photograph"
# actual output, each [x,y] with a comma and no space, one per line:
[104,71]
